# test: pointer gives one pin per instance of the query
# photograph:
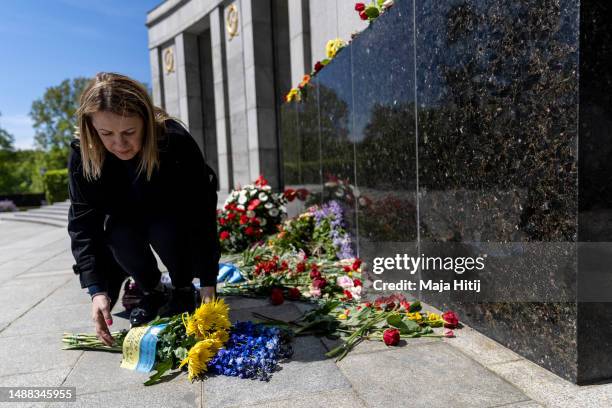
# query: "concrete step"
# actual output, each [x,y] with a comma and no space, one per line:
[44,221]
[34,216]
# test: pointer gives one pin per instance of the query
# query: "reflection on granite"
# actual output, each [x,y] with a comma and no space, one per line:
[337,149]
[492,151]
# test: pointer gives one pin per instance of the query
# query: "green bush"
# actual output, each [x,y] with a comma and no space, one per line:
[56,185]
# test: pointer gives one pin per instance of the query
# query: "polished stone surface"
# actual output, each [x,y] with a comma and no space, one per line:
[507,150]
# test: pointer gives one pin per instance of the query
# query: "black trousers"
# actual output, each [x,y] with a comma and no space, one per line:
[129,241]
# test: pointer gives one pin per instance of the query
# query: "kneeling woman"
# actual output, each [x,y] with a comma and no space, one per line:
[138,179]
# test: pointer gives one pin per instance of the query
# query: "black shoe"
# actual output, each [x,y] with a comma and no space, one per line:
[181,300]
[148,308]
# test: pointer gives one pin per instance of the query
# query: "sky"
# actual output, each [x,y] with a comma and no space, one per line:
[44,42]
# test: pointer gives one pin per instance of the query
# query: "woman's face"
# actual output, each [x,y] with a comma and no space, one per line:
[121,135]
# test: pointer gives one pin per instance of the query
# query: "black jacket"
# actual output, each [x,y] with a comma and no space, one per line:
[183,184]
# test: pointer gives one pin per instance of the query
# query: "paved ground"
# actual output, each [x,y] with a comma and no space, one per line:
[40,298]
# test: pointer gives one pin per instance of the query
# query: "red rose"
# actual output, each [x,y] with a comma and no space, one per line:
[284,265]
[318,66]
[254,220]
[301,194]
[319,283]
[359,6]
[356,264]
[244,219]
[367,304]
[363,15]
[276,296]
[231,216]
[391,337]
[289,194]
[451,320]
[249,231]
[314,274]
[357,282]
[348,295]
[224,235]
[405,305]
[347,268]
[300,267]
[253,205]
[294,294]
[222,221]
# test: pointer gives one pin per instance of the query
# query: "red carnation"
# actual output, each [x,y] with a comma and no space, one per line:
[357,282]
[244,219]
[319,283]
[253,205]
[347,294]
[359,6]
[391,337]
[347,268]
[314,274]
[261,181]
[276,296]
[231,216]
[356,264]
[451,320]
[222,221]
[318,66]
[224,235]
[300,267]
[363,15]
[294,294]
[249,231]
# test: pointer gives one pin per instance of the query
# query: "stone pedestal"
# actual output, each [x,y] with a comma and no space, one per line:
[470,128]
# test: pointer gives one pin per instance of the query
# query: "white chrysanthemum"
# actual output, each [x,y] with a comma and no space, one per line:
[242,199]
[250,214]
[240,207]
[266,188]
[273,212]
[262,196]
[282,208]
[268,205]
[262,221]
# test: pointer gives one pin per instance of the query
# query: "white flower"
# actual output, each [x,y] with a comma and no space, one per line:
[282,208]
[344,282]
[273,212]
[242,199]
[250,214]
[387,4]
[339,193]
[240,207]
[268,205]
[262,221]
[263,196]
[266,188]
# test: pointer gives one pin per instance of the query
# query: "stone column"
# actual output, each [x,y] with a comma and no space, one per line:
[259,83]
[169,80]
[156,72]
[224,147]
[189,88]
[299,34]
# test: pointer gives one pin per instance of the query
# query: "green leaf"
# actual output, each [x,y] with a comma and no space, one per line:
[396,321]
[372,12]
[161,368]
[415,307]
[380,3]
[412,326]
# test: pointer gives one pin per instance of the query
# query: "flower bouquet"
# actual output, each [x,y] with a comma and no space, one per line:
[388,319]
[249,214]
[204,342]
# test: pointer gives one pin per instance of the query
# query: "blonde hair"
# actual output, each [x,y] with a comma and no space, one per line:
[121,95]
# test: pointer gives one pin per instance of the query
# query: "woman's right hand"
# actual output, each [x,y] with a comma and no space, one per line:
[101,316]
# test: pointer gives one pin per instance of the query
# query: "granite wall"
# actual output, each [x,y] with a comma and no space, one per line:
[465,127]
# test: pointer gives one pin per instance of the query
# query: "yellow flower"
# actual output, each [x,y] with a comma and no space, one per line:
[433,317]
[212,316]
[333,46]
[416,316]
[434,320]
[350,274]
[292,95]
[342,316]
[198,358]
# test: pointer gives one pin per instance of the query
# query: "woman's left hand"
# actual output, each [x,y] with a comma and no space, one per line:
[208,293]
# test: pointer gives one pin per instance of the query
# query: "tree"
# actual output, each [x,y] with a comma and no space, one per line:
[6,140]
[55,121]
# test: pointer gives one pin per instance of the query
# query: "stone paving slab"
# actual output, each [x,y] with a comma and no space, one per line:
[411,376]
[335,398]
[308,372]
